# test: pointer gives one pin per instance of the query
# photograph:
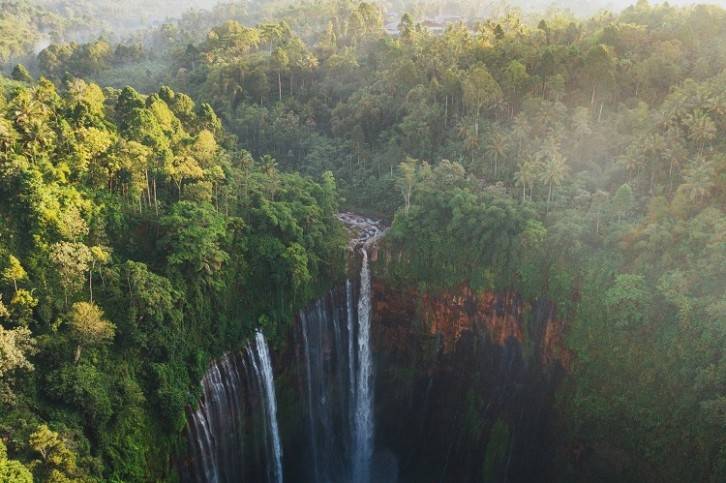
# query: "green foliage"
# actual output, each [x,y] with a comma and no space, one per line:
[456,233]
[149,244]
[16,345]
[88,325]
[14,272]
[192,240]
[12,471]
[20,73]
[626,299]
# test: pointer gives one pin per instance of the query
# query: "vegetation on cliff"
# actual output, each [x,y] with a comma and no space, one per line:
[133,246]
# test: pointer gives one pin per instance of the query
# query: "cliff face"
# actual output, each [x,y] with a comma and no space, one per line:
[465,384]
[464,387]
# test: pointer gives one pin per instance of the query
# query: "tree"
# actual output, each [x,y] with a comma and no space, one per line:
[72,261]
[554,167]
[12,471]
[59,461]
[627,300]
[407,180]
[546,68]
[21,74]
[88,326]
[598,207]
[698,180]
[701,129]
[481,91]
[99,255]
[542,25]
[91,58]
[207,119]
[272,33]
[16,345]
[85,98]
[205,148]
[14,272]
[22,305]
[280,61]
[181,168]
[496,148]
[92,144]
[622,201]
[599,67]
[517,77]
[526,176]
[406,27]
[4,312]
[192,242]
[8,136]
[154,311]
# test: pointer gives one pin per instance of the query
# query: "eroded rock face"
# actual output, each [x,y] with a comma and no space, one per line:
[465,384]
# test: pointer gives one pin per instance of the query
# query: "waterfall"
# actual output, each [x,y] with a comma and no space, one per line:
[325,364]
[311,405]
[233,434]
[364,426]
[351,357]
[263,355]
[339,375]
[215,427]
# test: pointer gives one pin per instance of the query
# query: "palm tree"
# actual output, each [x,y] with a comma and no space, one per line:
[8,136]
[698,180]
[674,152]
[25,110]
[554,167]
[701,128]
[469,139]
[520,133]
[632,161]
[716,105]
[39,136]
[496,147]
[526,176]
[271,33]
[269,167]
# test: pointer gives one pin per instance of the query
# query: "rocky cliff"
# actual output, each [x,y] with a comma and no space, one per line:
[465,384]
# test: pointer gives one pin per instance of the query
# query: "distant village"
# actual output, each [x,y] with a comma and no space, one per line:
[434,24]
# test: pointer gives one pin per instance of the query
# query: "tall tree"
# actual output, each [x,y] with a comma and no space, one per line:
[481,91]
[14,272]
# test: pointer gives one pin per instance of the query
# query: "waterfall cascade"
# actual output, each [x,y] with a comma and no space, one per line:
[326,386]
[339,371]
[364,427]
[233,434]
[266,376]
[215,428]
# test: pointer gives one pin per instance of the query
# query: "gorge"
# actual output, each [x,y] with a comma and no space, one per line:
[387,385]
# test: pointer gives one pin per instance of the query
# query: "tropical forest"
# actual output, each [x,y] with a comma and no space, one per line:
[344,241]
